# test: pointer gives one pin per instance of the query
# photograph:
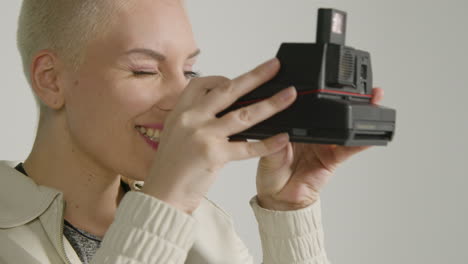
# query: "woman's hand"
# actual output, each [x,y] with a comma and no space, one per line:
[194,144]
[292,178]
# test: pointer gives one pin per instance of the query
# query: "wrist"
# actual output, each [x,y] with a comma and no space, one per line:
[171,201]
[277,205]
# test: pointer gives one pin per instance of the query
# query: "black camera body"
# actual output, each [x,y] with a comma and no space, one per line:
[334,85]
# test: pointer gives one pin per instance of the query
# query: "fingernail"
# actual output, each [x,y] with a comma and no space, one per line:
[272,63]
[287,93]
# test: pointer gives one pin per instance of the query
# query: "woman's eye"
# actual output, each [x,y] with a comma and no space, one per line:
[188,74]
[144,73]
[191,74]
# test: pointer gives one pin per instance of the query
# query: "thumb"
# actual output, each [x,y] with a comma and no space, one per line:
[273,171]
[277,160]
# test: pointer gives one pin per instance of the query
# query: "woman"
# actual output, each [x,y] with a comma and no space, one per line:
[113,79]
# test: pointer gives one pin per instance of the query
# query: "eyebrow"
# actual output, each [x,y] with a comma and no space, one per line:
[157,55]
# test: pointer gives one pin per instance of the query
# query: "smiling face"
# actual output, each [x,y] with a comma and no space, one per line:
[130,79]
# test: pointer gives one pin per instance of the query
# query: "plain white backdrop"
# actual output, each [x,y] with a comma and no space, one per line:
[405,203]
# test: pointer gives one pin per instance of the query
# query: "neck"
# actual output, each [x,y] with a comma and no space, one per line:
[91,192]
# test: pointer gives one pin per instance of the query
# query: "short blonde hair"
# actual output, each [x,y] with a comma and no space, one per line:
[62,26]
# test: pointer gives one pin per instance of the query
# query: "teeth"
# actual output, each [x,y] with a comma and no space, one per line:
[150,133]
[156,134]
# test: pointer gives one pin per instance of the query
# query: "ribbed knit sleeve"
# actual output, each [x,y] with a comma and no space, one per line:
[293,237]
[147,230]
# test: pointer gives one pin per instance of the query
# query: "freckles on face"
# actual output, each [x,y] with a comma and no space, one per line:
[111,97]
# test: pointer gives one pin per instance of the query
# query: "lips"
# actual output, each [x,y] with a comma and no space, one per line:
[151,132]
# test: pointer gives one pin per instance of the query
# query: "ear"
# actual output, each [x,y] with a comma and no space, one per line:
[45,79]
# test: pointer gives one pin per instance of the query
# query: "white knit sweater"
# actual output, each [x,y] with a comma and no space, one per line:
[147,230]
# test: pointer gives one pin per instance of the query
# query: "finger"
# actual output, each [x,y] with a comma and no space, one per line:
[377,95]
[199,87]
[248,150]
[343,153]
[227,93]
[245,117]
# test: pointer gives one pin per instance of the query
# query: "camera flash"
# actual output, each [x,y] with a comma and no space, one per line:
[337,23]
[331,26]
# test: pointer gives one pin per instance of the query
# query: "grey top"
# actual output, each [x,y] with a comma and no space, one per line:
[84,243]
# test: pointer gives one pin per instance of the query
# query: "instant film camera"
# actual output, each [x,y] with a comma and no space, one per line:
[334,85]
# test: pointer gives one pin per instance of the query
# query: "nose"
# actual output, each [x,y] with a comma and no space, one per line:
[172,89]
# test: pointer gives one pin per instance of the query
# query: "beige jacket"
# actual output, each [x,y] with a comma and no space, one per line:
[146,230]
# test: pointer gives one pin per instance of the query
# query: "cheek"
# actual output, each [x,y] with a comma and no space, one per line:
[99,102]
[101,116]
[87,104]
[135,97]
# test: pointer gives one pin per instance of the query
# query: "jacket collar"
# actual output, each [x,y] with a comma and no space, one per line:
[21,199]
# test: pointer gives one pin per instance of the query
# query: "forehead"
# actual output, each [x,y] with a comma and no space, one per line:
[158,24]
